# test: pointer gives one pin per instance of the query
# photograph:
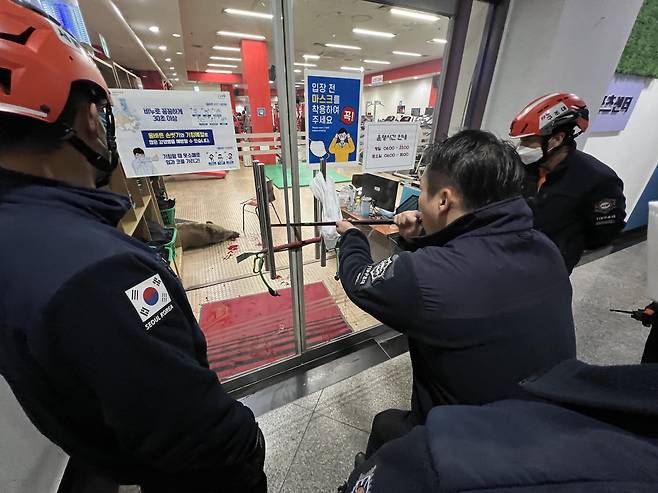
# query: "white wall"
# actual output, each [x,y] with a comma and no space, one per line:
[412,93]
[633,152]
[557,46]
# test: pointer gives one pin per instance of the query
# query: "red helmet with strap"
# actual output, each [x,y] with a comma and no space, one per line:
[39,63]
[547,114]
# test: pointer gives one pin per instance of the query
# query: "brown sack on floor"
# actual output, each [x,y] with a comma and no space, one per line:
[198,235]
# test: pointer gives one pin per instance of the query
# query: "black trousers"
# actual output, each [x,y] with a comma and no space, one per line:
[389,425]
[650,354]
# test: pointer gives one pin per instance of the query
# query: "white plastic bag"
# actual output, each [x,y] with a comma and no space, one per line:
[325,192]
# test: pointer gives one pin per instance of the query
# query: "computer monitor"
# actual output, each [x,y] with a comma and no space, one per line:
[429,111]
[415,111]
[382,191]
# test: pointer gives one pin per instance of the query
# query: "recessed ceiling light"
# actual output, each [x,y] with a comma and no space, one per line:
[368,32]
[162,48]
[167,59]
[344,47]
[226,58]
[248,13]
[297,71]
[175,35]
[231,34]
[213,71]
[176,80]
[353,69]
[172,68]
[174,74]
[406,53]
[225,65]
[154,29]
[377,62]
[311,57]
[179,52]
[439,41]
[415,15]
[297,64]
[225,48]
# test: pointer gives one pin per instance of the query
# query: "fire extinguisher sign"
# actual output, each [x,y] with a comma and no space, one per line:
[333,116]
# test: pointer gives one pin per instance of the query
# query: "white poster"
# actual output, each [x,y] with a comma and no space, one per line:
[390,146]
[174,132]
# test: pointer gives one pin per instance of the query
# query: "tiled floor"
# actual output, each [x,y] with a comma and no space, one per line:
[312,441]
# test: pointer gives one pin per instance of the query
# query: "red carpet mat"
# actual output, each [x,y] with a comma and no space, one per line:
[251,331]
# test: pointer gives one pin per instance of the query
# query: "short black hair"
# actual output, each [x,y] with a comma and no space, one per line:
[138,150]
[20,132]
[342,131]
[483,168]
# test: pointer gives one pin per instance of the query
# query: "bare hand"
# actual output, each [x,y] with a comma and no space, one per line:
[343,226]
[410,224]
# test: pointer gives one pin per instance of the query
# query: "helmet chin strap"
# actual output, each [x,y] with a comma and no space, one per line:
[106,164]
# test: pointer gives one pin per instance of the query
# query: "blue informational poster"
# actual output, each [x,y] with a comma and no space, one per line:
[333,113]
[174,132]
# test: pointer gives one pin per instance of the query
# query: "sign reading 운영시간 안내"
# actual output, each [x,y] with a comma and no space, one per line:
[174,132]
[390,146]
[618,103]
[333,113]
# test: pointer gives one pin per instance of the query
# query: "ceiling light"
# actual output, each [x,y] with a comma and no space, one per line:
[415,15]
[406,53]
[174,74]
[390,82]
[248,13]
[213,71]
[226,58]
[368,32]
[162,48]
[225,65]
[176,79]
[297,71]
[271,82]
[240,35]
[353,69]
[179,52]
[416,78]
[297,64]
[176,35]
[167,59]
[154,29]
[225,48]
[344,47]
[377,62]
[311,57]
[439,41]
[172,68]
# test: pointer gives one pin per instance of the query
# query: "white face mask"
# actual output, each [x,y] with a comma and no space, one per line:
[529,155]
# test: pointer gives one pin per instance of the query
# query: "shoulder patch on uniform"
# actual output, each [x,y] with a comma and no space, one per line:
[364,484]
[149,297]
[604,206]
[375,273]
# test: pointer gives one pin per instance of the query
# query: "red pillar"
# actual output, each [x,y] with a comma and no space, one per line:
[255,73]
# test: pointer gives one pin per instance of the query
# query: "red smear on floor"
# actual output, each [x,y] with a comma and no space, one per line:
[251,331]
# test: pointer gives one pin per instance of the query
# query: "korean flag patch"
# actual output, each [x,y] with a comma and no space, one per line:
[149,297]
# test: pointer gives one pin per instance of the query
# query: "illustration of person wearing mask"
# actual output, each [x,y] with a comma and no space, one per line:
[342,146]
[142,165]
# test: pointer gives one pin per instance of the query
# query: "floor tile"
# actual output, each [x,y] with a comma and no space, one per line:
[283,429]
[310,401]
[357,400]
[325,458]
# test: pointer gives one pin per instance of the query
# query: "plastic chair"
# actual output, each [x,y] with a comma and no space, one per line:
[253,202]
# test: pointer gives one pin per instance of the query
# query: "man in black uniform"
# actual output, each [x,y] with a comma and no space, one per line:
[97,339]
[577,200]
[485,299]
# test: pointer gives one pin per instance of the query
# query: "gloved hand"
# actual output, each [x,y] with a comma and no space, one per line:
[646,316]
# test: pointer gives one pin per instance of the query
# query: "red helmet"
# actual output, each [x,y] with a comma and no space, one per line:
[546,114]
[39,62]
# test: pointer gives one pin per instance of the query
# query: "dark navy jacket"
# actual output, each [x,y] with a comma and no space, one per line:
[581,205]
[127,393]
[597,431]
[485,303]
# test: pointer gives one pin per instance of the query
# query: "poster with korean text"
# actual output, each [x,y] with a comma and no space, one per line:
[333,112]
[174,132]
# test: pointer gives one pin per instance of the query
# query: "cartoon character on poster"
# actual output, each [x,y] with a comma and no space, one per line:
[342,146]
